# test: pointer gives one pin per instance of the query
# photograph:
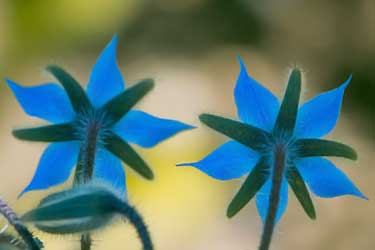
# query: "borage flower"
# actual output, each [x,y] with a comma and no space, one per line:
[93,127]
[279,144]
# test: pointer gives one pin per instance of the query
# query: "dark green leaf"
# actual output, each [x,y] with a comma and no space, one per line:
[300,190]
[117,107]
[76,93]
[250,187]
[245,134]
[286,118]
[321,147]
[128,155]
[49,133]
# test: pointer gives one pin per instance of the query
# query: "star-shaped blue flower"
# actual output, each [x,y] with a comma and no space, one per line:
[269,127]
[100,118]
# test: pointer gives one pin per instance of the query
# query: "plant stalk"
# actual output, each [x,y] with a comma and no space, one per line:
[85,170]
[277,177]
[31,242]
[130,213]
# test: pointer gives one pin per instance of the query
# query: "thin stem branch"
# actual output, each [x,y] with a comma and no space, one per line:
[279,165]
[31,242]
[130,213]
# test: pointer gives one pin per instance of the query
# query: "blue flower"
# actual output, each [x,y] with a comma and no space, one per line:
[100,118]
[268,126]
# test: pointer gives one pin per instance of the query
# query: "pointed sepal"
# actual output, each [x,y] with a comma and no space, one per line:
[82,208]
[254,138]
[286,119]
[299,188]
[118,106]
[253,183]
[49,133]
[120,148]
[321,147]
[76,93]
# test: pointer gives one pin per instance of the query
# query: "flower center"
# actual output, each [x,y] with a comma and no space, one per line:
[92,127]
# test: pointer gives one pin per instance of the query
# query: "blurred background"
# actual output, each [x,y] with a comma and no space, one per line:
[190,48]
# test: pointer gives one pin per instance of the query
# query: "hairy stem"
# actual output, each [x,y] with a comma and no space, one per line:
[31,242]
[279,165]
[85,167]
[85,170]
[86,241]
[130,213]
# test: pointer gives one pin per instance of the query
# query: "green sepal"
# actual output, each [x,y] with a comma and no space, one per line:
[73,203]
[250,136]
[76,93]
[49,133]
[82,208]
[128,155]
[253,183]
[321,147]
[119,105]
[286,119]
[300,190]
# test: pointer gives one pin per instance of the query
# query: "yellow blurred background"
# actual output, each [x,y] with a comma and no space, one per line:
[190,47]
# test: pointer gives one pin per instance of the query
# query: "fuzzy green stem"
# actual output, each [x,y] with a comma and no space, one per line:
[130,213]
[85,167]
[86,241]
[269,225]
[85,170]
[31,242]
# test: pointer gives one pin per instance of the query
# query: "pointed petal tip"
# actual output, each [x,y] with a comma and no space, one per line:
[14,86]
[10,83]
[112,44]
[22,193]
[346,83]
[362,196]
[189,164]
[242,65]
[114,39]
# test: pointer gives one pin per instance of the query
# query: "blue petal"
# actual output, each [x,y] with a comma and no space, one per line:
[318,116]
[108,168]
[230,160]
[256,105]
[325,180]
[262,200]
[47,101]
[105,79]
[146,130]
[54,166]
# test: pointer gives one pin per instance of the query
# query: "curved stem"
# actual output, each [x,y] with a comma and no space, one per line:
[136,219]
[31,242]
[85,170]
[279,165]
